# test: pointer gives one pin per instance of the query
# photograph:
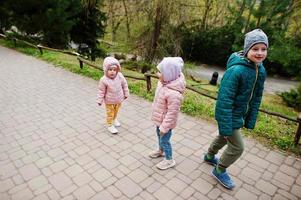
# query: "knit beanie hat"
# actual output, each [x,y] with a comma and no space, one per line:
[110,61]
[170,68]
[254,37]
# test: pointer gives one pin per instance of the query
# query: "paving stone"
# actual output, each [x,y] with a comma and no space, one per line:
[296,190]
[37,182]
[6,185]
[103,195]
[101,175]
[84,193]
[251,173]
[96,186]
[58,166]
[138,175]
[244,194]
[275,157]
[60,181]
[165,193]
[68,190]
[176,185]
[29,171]
[188,192]
[41,197]
[128,187]
[265,197]
[82,179]
[279,176]
[73,170]
[53,195]
[108,162]
[289,171]
[23,194]
[187,166]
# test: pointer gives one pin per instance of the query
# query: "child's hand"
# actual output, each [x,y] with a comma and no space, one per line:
[125,97]
[99,104]
[161,133]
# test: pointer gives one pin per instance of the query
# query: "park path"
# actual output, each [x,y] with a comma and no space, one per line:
[54,145]
[272,85]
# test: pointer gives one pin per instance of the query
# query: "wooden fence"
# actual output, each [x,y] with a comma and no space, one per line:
[147,77]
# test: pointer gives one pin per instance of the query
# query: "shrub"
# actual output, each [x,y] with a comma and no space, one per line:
[293,98]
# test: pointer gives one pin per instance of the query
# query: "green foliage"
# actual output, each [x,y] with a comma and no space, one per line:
[89,27]
[57,21]
[293,98]
[51,19]
[211,46]
[287,54]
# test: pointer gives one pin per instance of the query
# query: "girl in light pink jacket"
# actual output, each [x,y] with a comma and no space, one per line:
[112,90]
[166,106]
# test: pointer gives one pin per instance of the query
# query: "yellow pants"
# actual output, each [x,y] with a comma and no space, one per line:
[112,110]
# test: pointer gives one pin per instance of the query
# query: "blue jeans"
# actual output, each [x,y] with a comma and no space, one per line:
[164,143]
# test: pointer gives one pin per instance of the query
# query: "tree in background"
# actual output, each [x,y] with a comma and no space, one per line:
[89,26]
[4,17]
[57,22]
[52,19]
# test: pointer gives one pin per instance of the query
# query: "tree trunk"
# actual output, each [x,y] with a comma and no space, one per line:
[128,31]
[241,11]
[208,4]
[156,32]
[249,16]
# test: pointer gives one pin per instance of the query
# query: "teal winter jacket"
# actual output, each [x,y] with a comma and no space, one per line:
[239,95]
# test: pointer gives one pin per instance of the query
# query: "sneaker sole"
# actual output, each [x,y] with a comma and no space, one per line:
[230,188]
[166,167]
[156,156]
[210,163]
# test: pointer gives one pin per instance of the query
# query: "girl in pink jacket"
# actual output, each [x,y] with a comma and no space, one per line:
[112,90]
[166,106]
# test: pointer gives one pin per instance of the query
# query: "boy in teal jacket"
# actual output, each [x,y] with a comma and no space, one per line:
[238,102]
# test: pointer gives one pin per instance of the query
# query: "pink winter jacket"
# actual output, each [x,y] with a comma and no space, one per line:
[167,103]
[112,91]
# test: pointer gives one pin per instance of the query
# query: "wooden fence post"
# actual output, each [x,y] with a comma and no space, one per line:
[298,133]
[148,83]
[15,42]
[41,50]
[81,64]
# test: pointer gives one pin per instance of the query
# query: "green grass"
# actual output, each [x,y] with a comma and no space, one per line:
[271,131]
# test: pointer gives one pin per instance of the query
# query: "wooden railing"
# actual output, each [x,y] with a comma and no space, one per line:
[147,77]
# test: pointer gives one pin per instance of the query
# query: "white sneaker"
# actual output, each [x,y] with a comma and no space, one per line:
[156,154]
[112,129]
[116,123]
[165,164]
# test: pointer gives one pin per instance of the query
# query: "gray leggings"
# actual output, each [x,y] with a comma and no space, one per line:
[235,147]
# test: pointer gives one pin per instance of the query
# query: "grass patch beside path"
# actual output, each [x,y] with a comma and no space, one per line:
[272,131]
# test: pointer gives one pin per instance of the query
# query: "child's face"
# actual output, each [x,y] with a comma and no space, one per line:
[160,76]
[257,53]
[112,71]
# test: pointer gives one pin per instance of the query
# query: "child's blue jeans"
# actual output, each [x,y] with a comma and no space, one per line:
[164,143]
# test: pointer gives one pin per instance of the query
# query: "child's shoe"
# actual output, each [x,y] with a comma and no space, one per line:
[212,161]
[112,129]
[223,178]
[156,154]
[165,164]
[116,123]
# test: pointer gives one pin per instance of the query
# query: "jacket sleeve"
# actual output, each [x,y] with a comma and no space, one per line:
[124,86]
[173,107]
[225,102]
[102,90]
[250,119]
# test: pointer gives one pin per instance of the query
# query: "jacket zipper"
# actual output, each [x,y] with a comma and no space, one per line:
[252,89]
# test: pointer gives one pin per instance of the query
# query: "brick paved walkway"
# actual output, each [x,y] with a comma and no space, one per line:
[53,145]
